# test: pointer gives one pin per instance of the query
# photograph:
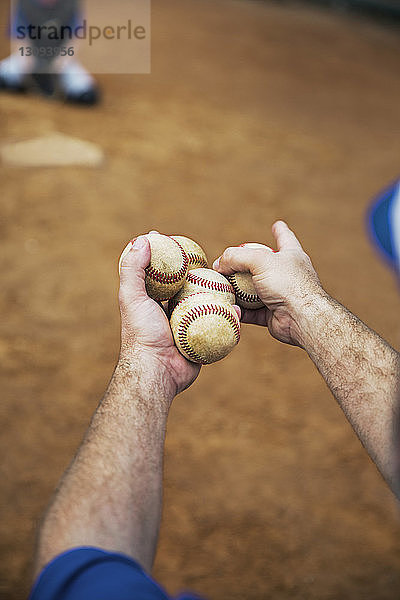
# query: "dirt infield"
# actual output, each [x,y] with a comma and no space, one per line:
[252,112]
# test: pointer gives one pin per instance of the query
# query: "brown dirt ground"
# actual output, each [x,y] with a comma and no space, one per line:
[253,111]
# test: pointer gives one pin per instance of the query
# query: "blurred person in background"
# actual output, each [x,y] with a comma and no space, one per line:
[46,60]
[98,538]
[384,225]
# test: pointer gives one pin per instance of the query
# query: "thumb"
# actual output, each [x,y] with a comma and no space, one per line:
[134,259]
[285,238]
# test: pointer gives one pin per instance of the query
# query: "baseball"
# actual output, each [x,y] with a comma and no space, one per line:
[195,253]
[168,266]
[242,283]
[205,328]
[245,292]
[205,280]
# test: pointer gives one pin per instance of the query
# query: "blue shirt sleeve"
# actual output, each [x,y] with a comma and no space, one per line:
[94,574]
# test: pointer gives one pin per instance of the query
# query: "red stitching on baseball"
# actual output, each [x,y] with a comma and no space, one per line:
[166,278]
[185,298]
[196,259]
[211,285]
[243,296]
[201,311]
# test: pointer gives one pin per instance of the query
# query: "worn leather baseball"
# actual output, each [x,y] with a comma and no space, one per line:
[205,328]
[242,283]
[168,266]
[245,292]
[204,280]
[195,253]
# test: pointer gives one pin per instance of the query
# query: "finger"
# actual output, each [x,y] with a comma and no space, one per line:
[256,245]
[243,259]
[124,253]
[134,260]
[238,311]
[255,317]
[285,238]
[165,307]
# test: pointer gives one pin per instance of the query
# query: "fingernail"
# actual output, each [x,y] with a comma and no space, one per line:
[238,311]
[139,242]
[216,263]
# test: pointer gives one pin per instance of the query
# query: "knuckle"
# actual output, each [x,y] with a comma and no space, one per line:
[128,259]
[122,293]
[122,301]
[229,254]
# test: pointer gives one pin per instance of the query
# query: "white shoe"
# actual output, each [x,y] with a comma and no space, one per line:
[77,85]
[70,81]
[13,72]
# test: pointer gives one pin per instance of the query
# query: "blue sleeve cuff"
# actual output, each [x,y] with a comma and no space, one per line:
[94,574]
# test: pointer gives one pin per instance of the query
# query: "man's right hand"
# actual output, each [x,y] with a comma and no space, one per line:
[285,282]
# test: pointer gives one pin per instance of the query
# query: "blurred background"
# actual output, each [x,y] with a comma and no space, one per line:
[253,111]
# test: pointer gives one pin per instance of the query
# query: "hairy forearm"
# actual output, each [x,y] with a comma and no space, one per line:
[110,496]
[361,370]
